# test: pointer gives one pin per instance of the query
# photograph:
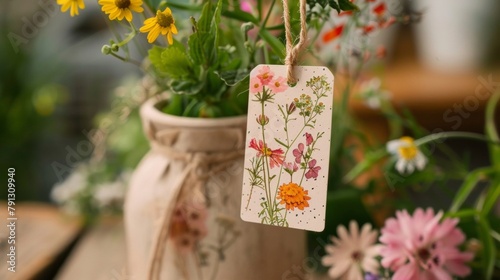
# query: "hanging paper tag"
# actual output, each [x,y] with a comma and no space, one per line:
[288,147]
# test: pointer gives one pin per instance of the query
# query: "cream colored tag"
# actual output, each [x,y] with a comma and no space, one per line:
[288,147]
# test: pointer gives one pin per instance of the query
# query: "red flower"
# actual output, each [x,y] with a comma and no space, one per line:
[379,10]
[333,33]
[309,139]
[368,28]
[276,156]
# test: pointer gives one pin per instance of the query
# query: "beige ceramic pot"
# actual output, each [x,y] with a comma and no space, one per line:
[182,211]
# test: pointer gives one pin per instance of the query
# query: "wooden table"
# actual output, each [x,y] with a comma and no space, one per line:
[53,246]
[42,238]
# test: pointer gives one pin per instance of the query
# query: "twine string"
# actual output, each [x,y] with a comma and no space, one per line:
[292,52]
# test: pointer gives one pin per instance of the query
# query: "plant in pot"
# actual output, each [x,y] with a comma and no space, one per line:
[182,207]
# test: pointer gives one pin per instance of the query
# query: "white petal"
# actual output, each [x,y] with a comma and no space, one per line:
[393,146]
[340,268]
[420,160]
[401,165]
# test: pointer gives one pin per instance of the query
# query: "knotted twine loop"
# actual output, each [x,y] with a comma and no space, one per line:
[292,52]
[200,166]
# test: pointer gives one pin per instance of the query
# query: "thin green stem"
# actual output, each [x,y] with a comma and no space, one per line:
[453,134]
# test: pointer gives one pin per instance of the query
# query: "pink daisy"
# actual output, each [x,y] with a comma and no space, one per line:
[278,85]
[255,85]
[265,75]
[421,247]
[352,254]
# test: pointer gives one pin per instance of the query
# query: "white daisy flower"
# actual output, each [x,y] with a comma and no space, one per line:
[408,155]
[372,93]
[352,255]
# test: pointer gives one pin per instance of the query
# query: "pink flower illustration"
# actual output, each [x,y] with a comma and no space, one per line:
[291,167]
[265,75]
[255,85]
[278,85]
[298,153]
[188,226]
[276,156]
[422,247]
[309,139]
[313,170]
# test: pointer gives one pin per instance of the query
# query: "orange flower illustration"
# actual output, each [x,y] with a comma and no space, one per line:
[294,196]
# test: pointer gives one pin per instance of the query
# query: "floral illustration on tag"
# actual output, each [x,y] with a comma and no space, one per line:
[286,162]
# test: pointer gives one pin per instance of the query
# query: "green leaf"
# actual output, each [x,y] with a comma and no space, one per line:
[334,5]
[488,252]
[467,186]
[175,63]
[186,86]
[281,143]
[232,77]
[276,45]
[491,197]
[490,128]
[155,58]
[346,5]
[175,105]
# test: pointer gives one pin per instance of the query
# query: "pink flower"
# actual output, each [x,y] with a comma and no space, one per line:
[265,75]
[291,167]
[246,6]
[188,226]
[276,156]
[421,247]
[313,170]
[298,153]
[255,85]
[278,85]
[353,251]
[309,139]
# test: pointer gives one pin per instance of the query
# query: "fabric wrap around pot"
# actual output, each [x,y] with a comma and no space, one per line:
[198,163]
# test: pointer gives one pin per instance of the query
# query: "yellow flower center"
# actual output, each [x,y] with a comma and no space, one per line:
[164,20]
[256,85]
[268,152]
[409,151]
[277,84]
[122,4]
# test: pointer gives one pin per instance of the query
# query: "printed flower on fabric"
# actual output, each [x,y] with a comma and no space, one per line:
[119,9]
[71,5]
[408,155]
[423,247]
[276,156]
[352,253]
[188,226]
[293,196]
[163,23]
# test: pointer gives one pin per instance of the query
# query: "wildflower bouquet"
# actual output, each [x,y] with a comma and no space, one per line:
[201,52]
[204,61]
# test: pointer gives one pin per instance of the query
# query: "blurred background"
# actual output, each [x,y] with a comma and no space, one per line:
[56,87]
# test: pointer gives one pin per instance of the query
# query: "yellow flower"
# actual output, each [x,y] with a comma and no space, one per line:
[119,9]
[163,23]
[73,4]
[293,196]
